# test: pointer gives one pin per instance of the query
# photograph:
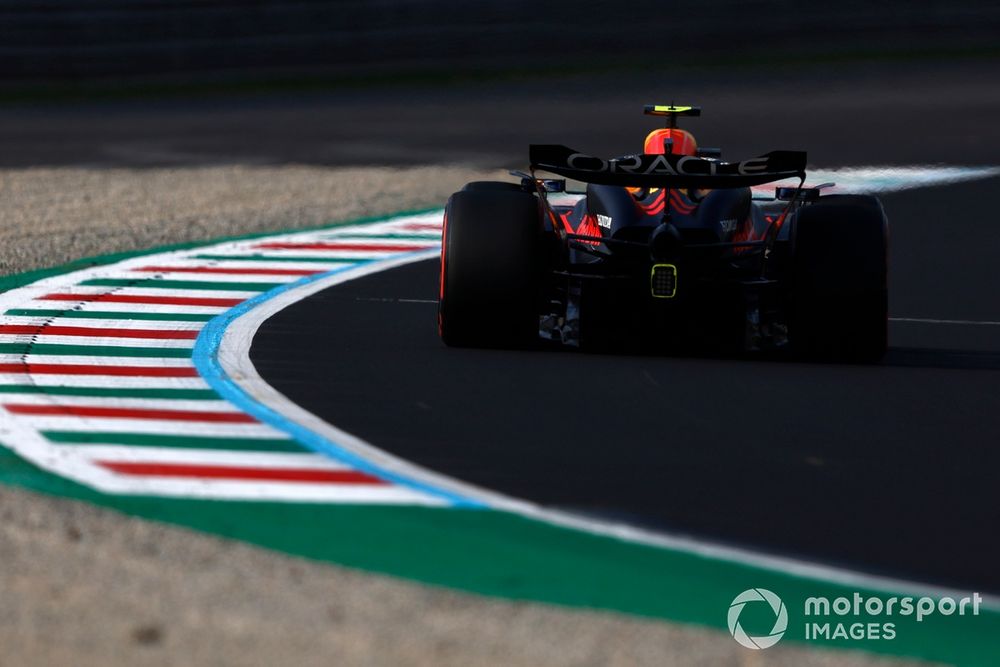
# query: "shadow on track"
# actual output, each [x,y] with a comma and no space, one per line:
[909,357]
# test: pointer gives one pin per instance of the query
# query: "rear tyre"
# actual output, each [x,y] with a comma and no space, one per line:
[838,306]
[491,269]
[495,186]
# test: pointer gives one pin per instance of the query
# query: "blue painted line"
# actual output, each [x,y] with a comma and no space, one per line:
[206,361]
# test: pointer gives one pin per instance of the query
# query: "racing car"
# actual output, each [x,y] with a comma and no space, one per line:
[669,249]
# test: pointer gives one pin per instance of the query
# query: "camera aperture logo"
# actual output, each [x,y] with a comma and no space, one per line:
[780,618]
[856,617]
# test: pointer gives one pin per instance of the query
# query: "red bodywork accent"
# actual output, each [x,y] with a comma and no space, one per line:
[677,203]
[567,225]
[444,251]
[746,233]
[588,227]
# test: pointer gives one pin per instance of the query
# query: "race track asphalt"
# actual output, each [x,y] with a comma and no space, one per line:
[887,469]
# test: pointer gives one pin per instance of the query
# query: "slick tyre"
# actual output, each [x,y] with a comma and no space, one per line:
[491,269]
[494,186]
[838,309]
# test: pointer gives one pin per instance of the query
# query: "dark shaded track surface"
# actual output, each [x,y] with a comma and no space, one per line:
[888,469]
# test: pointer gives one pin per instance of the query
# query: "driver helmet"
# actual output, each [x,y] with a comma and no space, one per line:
[683,142]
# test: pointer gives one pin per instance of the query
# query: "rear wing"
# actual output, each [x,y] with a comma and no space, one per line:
[663,171]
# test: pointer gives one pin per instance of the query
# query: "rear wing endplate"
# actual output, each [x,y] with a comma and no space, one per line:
[660,171]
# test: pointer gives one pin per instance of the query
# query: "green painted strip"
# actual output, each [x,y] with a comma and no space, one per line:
[112,392]
[157,283]
[95,350]
[110,315]
[539,561]
[285,258]
[179,441]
